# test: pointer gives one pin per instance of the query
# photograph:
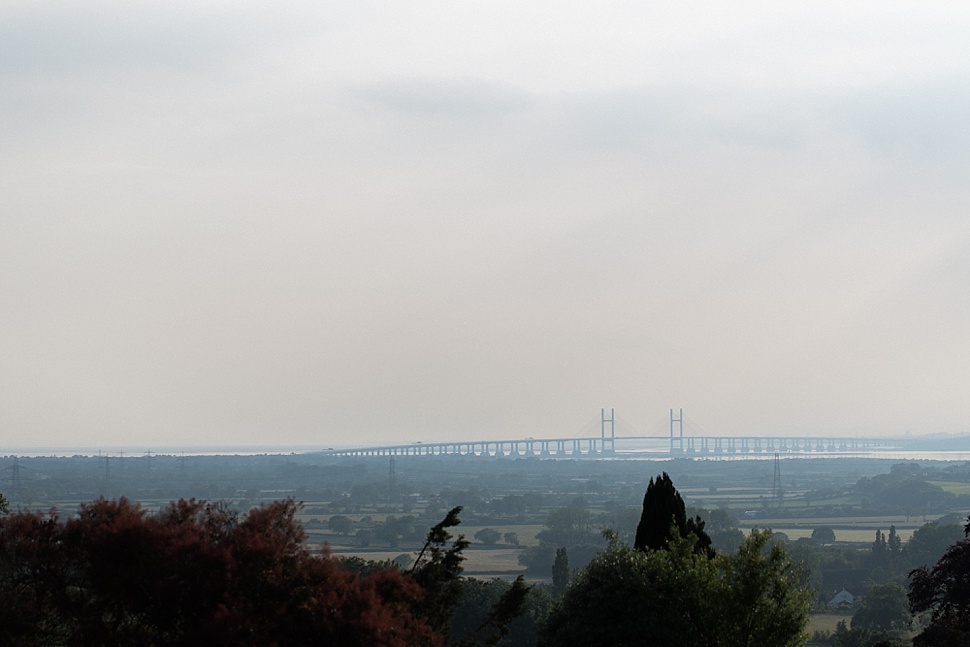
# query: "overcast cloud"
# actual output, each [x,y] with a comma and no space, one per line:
[222,223]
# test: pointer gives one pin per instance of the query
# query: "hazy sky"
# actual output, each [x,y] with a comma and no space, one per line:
[231,223]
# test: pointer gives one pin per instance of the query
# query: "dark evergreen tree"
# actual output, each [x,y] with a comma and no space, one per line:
[894,544]
[560,572]
[664,518]
[879,547]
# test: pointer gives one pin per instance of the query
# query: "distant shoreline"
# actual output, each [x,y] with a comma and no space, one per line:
[190,450]
[289,450]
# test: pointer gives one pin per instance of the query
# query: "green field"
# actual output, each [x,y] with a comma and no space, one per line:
[823,622]
[952,486]
[857,530]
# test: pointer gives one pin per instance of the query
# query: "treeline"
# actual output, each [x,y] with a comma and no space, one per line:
[115,573]
[491,491]
[832,567]
[907,489]
[200,573]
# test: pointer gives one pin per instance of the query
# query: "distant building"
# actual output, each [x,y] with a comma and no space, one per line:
[842,600]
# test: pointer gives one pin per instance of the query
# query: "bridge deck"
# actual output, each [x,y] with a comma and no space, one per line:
[628,445]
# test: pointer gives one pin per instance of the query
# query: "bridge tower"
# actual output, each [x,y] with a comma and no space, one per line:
[612,438]
[677,440]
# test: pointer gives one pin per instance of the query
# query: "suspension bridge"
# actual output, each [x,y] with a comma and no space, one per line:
[608,444]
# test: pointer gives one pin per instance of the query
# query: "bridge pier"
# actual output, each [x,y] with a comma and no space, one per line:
[604,445]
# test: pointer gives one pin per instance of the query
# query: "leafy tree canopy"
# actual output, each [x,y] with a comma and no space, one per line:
[192,573]
[569,526]
[930,541]
[680,596]
[488,536]
[942,595]
[883,608]
[823,535]
[341,524]
[498,612]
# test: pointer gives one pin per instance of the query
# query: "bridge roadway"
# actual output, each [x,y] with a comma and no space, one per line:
[612,446]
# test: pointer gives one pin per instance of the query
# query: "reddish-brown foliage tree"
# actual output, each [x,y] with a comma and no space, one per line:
[193,573]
